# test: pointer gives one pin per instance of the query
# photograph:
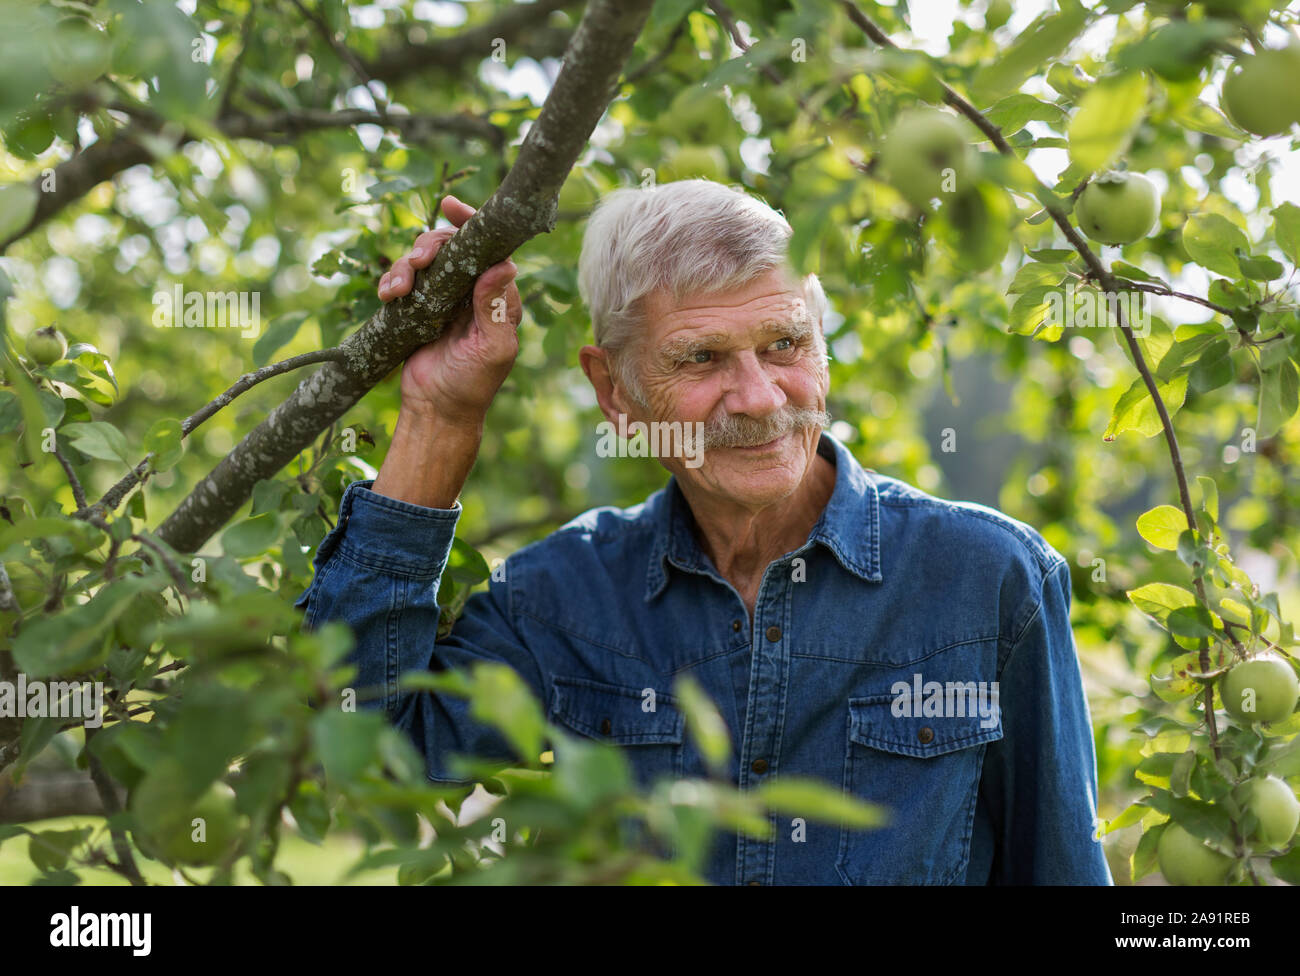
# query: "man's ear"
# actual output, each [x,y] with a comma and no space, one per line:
[595,363]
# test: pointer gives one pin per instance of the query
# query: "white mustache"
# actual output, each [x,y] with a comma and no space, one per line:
[739,430]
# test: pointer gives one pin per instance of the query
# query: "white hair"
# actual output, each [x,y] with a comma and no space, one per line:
[686,237]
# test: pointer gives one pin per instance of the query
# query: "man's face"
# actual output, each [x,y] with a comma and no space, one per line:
[745,363]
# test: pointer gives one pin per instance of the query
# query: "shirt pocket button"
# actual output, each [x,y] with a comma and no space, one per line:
[925,772]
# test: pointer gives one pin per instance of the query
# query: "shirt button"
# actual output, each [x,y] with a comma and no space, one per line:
[735,625]
[759,765]
[605,726]
[774,634]
[926,735]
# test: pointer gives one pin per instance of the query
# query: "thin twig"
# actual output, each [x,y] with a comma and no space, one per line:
[169,564]
[245,34]
[78,493]
[108,797]
[344,53]
[113,497]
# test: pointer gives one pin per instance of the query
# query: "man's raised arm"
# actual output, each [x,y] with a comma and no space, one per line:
[380,567]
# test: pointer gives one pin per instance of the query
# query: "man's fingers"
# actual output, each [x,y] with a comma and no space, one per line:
[400,277]
[492,298]
[455,211]
[427,245]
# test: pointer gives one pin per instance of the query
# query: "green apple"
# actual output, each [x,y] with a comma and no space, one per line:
[1263,96]
[46,346]
[1275,805]
[80,52]
[207,834]
[690,161]
[29,135]
[1186,860]
[926,154]
[1263,689]
[1118,208]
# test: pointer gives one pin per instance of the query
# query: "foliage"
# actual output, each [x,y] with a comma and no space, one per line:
[1184,560]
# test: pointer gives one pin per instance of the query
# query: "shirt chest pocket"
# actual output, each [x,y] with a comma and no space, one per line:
[925,769]
[646,725]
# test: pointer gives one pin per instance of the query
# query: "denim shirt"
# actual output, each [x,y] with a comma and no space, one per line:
[994,783]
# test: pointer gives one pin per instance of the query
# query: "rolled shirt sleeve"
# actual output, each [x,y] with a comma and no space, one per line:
[379,572]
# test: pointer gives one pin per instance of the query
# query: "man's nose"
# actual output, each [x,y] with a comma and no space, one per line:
[750,389]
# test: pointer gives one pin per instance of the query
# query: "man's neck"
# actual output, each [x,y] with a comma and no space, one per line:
[743,542]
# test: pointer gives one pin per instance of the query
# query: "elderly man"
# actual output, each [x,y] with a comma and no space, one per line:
[848,626]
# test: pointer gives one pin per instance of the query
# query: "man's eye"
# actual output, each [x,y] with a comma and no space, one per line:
[700,356]
[780,348]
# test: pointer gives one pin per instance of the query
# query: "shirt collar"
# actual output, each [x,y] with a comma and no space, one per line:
[849,525]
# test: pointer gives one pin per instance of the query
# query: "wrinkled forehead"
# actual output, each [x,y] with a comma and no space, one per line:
[771,300]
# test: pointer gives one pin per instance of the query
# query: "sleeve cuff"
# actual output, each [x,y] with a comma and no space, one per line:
[389,535]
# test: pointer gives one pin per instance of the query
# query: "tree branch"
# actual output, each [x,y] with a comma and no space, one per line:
[522,207]
[524,22]
[113,497]
[103,160]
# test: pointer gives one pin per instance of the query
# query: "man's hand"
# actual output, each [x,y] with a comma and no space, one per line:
[455,377]
[448,384]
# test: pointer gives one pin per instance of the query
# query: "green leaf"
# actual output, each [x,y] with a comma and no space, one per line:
[50,849]
[1132,814]
[1135,410]
[11,412]
[1161,526]
[163,440]
[1287,866]
[347,743]
[251,537]
[280,331]
[1176,49]
[157,41]
[814,800]
[75,638]
[1158,600]
[704,723]
[1286,230]
[1213,241]
[465,564]
[1213,368]
[1036,275]
[1209,495]
[1191,622]
[94,361]
[17,207]
[1013,112]
[268,496]
[1278,397]
[1042,41]
[1261,268]
[587,773]
[99,439]
[1144,855]
[1107,117]
[500,697]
